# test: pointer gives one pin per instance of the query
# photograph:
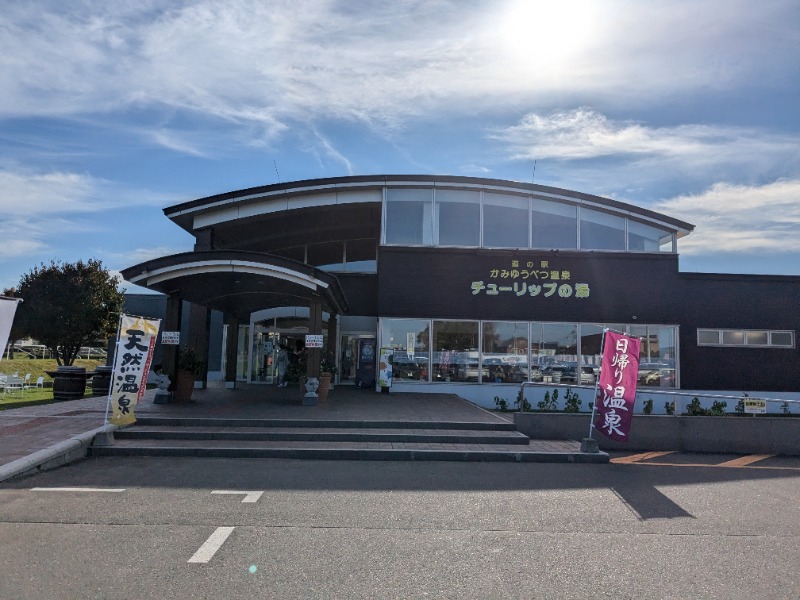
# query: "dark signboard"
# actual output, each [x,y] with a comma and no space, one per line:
[365,365]
[524,285]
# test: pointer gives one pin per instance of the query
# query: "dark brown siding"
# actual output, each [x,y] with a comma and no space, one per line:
[623,288]
[361,292]
[739,302]
[417,282]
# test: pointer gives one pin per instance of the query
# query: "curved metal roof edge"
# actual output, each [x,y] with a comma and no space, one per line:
[175,211]
[333,289]
[192,256]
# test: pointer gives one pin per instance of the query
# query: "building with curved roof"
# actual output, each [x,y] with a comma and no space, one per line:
[472,282]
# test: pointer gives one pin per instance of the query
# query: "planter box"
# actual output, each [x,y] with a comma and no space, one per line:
[730,434]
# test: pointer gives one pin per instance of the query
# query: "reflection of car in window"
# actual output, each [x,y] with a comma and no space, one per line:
[469,372]
[568,372]
[507,369]
[496,370]
[404,367]
[656,374]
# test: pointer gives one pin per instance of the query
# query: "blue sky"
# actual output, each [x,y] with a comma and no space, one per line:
[110,112]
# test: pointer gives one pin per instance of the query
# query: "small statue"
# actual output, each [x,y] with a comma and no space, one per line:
[311,385]
[162,381]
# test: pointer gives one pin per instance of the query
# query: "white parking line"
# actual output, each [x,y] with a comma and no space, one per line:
[248,496]
[77,489]
[206,552]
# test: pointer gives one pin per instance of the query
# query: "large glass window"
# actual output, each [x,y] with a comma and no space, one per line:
[513,352]
[505,221]
[455,351]
[458,214]
[505,351]
[601,231]
[659,369]
[591,345]
[468,218]
[408,217]
[554,225]
[409,338]
[646,238]
[242,347]
[557,352]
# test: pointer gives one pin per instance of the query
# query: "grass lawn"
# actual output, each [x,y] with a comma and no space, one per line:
[38,366]
[32,397]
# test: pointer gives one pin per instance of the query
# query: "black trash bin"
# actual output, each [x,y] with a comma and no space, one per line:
[101,382]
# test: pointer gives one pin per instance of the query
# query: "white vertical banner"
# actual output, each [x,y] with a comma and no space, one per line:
[132,357]
[8,307]
[385,368]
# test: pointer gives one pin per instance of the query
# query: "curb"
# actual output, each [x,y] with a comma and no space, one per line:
[71,450]
[355,454]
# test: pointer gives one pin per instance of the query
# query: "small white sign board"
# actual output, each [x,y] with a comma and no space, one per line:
[411,340]
[754,406]
[313,341]
[171,338]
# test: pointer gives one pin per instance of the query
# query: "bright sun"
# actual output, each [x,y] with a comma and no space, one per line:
[548,35]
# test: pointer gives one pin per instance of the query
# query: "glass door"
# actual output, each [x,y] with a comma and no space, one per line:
[348,352]
[265,353]
[348,355]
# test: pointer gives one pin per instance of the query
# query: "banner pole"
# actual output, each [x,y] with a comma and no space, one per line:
[597,382]
[113,369]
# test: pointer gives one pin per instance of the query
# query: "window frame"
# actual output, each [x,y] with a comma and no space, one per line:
[745,344]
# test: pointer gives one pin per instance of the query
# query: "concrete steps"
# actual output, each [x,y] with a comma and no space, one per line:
[337,440]
[316,434]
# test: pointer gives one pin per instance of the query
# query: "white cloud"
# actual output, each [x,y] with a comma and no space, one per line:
[13,245]
[140,255]
[584,133]
[41,208]
[584,149]
[739,219]
[31,195]
[477,170]
[324,144]
[270,66]
[174,141]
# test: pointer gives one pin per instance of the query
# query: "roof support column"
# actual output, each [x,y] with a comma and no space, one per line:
[315,328]
[199,332]
[333,340]
[172,322]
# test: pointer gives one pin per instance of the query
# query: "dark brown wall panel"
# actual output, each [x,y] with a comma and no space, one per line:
[416,282]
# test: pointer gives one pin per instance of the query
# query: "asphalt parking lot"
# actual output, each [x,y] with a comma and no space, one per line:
[256,528]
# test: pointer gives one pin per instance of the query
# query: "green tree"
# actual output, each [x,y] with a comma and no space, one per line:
[66,306]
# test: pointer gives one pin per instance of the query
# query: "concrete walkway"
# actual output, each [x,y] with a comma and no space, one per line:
[42,437]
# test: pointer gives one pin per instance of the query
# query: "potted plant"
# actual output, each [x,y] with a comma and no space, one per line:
[327,369]
[189,368]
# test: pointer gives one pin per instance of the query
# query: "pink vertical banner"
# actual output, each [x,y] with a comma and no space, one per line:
[617,386]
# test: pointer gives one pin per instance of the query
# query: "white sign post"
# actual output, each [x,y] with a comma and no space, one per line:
[171,338]
[755,406]
[8,306]
[313,341]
